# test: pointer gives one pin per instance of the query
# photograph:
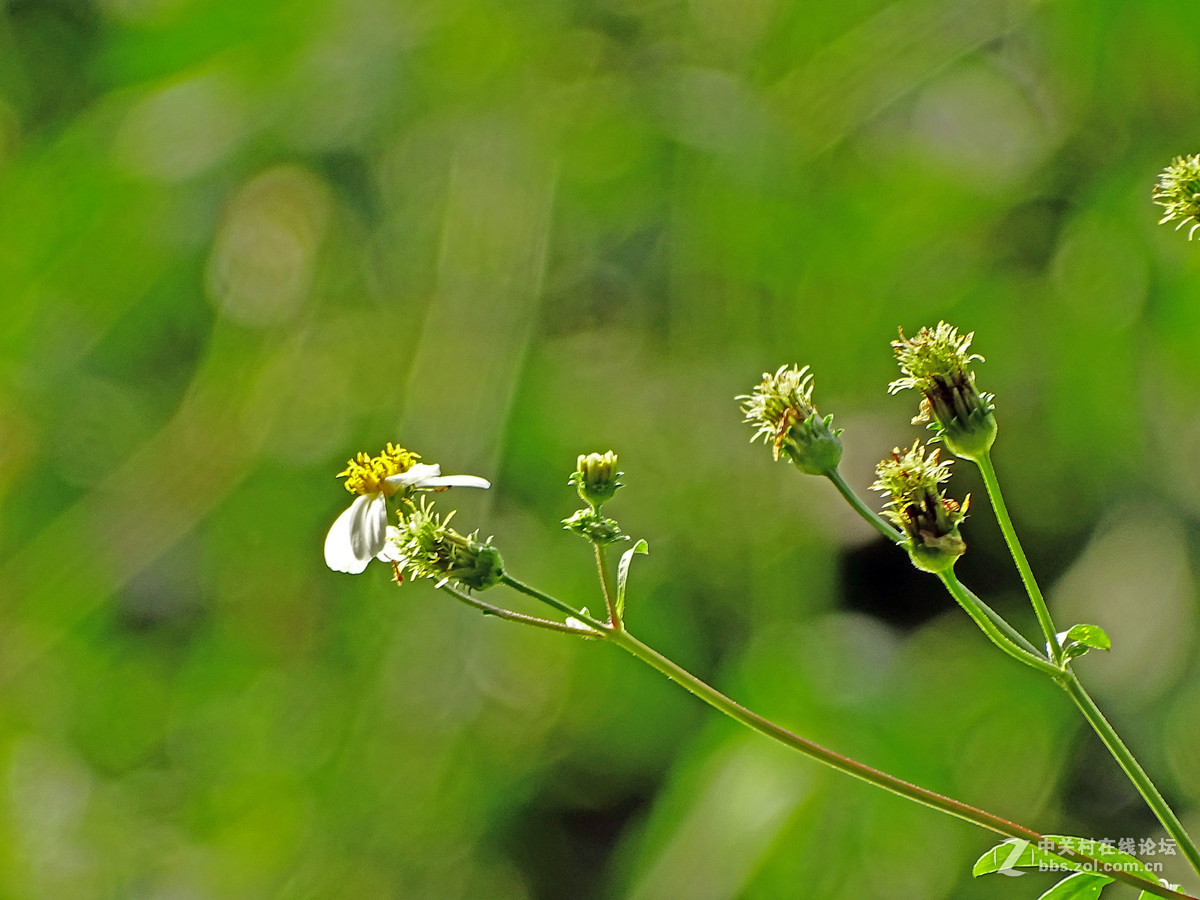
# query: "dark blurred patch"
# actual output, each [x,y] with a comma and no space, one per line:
[1027,236]
[350,176]
[620,285]
[878,579]
[1097,794]
[618,25]
[161,339]
[564,848]
[55,43]
[166,600]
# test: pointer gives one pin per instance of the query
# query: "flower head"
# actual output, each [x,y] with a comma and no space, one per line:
[782,412]
[360,533]
[917,505]
[937,363]
[426,546]
[1178,192]
[595,477]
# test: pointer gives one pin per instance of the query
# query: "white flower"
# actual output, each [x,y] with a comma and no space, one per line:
[360,533]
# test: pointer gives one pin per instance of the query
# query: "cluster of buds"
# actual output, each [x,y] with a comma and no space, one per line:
[782,412]
[928,518]
[1178,192]
[937,363]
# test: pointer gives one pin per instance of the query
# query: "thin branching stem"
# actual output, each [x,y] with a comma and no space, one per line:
[988,471]
[500,612]
[974,608]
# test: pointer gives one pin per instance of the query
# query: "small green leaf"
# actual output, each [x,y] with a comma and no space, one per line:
[1079,639]
[1016,854]
[623,572]
[1080,886]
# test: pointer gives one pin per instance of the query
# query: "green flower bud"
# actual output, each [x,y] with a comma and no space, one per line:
[782,412]
[928,518]
[595,477]
[425,545]
[1178,192]
[936,363]
[588,523]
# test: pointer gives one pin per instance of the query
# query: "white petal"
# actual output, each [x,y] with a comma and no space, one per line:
[390,552]
[368,530]
[456,481]
[418,473]
[339,548]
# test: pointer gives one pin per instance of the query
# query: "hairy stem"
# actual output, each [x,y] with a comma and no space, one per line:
[1071,684]
[500,612]
[877,521]
[549,600]
[897,537]
[988,471]
[975,609]
[606,586]
[948,805]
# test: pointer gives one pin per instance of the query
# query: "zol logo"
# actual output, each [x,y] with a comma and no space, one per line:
[1018,847]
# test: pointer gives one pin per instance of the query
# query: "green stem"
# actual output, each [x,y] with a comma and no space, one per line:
[896,536]
[879,522]
[984,461]
[1013,635]
[500,612]
[975,609]
[890,783]
[552,601]
[1071,684]
[606,586]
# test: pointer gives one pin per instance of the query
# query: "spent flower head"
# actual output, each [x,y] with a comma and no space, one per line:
[595,477]
[1178,192]
[360,532]
[937,363]
[782,412]
[589,524]
[927,517]
[425,545]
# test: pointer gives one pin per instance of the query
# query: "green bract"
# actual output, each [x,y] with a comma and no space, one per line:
[936,363]
[782,412]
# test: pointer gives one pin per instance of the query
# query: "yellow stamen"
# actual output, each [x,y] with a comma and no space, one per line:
[365,474]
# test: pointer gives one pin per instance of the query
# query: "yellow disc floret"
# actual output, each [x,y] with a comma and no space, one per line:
[365,474]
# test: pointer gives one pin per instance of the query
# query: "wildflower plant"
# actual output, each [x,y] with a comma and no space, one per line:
[918,515]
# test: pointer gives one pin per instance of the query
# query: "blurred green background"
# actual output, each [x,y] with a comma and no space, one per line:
[241,241]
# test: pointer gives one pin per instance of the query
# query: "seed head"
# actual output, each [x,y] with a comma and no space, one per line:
[1178,192]
[917,505]
[937,363]
[782,412]
[426,546]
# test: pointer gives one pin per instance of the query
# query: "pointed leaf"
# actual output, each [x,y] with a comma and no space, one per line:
[1014,854]
[1080,886]
[623,572]
[1079,639]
